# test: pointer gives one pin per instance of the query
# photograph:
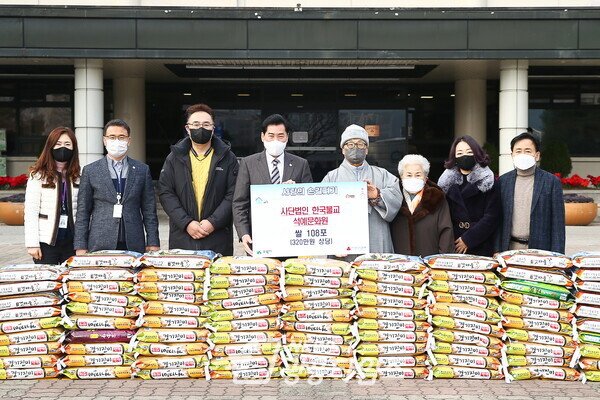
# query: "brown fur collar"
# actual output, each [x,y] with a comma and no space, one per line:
[432,199]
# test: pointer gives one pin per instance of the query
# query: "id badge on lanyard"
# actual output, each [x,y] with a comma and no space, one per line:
[63,221]
[118,208]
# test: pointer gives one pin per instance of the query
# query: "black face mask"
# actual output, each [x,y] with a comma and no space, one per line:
[62,154]
[466,163]
[200,135]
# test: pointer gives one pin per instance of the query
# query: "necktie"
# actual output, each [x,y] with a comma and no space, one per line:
[118,170]
[275,174]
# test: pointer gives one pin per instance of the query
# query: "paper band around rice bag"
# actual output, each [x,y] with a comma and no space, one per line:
[589,364]
[245,337]
[524,361]
[302,293]
[171,373]
[389,262]
[44,335]
[170,275]
[460,262]
[96,348]
[537,289]
[318,316]
[151,335]
[317,281]
[302,371]
[30,349]
[332,350]
[469,326]
[21,288]
[82,321]
[544,372]
[588,325]
[513,310]
[453,372]
[243,302]
[29,313]
[464,311]
[31,272]
[398,314]
[467,361]
[391,349]
[29,373]
[104,258]
[552,339]
[177,258]
[475,289]
[163,308]
[100,274]
[261,374]
[246,313]
[234,293]
[400,278]
[242,363]
[231,281]
[393,362]
[553,277]
[106,299]
[484,277]
[587,274]
[161,321]
[535,301]
[99,286]
[318,339]
[112,360]
[103,310]
[477,339]
[100,336]
[542,350]
[245,266]
[162,349]
[371,299]
[537,325]
[335,328]
[473,300]
[30,301]
[334,304]
[97,373]
[248,349]
[395,373]
[322,361]
[392,325]
[586,259]
[260,324]
[169,287]
[589,338]
[392,289]
[42,361]
[464,349]
[534,258]
[189,298]
[317,267]
[392,336]
[149,362]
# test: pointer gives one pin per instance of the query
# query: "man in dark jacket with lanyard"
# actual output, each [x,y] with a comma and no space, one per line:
[196,186]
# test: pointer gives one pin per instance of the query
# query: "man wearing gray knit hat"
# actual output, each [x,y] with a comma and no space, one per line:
[383,190]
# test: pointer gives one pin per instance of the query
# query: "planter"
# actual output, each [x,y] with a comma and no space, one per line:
[580,213]
[12,213]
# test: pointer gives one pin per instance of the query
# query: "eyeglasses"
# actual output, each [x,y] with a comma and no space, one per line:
[205,125]
[360,145]
[120,138]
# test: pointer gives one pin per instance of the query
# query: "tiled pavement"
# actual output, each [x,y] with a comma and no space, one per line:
[12,251]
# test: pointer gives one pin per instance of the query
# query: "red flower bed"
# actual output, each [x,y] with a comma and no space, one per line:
[7,182]
[576,181]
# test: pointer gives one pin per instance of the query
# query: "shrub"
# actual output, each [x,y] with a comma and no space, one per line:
[556,158]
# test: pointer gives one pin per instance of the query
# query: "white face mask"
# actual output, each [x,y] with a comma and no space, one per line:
[413,185]
[523,161]
[275,147]
[116,148]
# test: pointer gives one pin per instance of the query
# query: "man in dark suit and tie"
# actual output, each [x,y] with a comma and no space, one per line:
[271,166]
[116,200]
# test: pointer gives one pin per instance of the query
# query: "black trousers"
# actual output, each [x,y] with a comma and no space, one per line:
[56,254]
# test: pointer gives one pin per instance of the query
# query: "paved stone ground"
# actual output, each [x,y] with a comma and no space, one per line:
[13,251]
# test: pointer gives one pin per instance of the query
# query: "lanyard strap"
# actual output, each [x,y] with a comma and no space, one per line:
[64,194]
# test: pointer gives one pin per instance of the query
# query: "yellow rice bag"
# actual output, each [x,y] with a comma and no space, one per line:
[467,361]
[161,321]
[315,338]
[395,373]
[393,336]
[301,293]
[513,310]
[522,335]
[537,325]
[246,313]
[393,325]
[97,373]
[332,350]
[243,302]
[473,300]
[544,372]
[393,361]
[239,264]
[535,301]
[99,286]
[446,335]
[170,275]
[178,349]
[391,288]
[533,349]
[370,299]
[318,316]
[464,311]
[400,314]
[465,349]
[149,362]
[258,324]
[106,299]
[592,376]
[318,281]
[190,298]
[322,361]
[453,372]
[164,308]
[28,373]
[245,337]
[96,348]
[476,289]
[151,335]
[400,278]
[169,287]
[248,349]
[82,321]
[336,328]
[41,361]
[552,276]
[237,292]
[30,349]
[29,324]
[589,364]
[317,267]
[486,277]
[590,350]
[466,325]
[390,349]
[171,373]
[259,373]
[241,363]
[97,360]
[100,309]
[231,281]
[524,361]
[343,303]
[43,335]
[302,371]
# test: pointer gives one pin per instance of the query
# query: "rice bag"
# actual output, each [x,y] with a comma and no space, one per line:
[464,311]
[161,321]
[345,304]
[392,336]
[100,336]
[508,309]
[391,288]
[249,349]
[169,287]
[96,348]
[336,328]
[245,337]
[392,325]
[237,292]
[451,336]
[31,272]
[260,373]
[243,302]
[30,301]
[483,277]
[241,363]
[164,308]
[21,288]
[467,361]
[71,361]
[302,371]
[103,310]
[587,298]
[587,274]
[258,324]
[177,258]
[311,338]
[231,281]
[588,286]
[97,373]
[162,349]
[390,349]
[554,277]
[317,267]
[332,350]
[535,301]
[538,289]
[589,364]
[389,262]
[454,372]
[29,373]
[460,262]
[589,337]
[43,335]
[78,321]
[533,349]
[318,316]
[395,373]
[465,349]
[42,361]
[243,265]
[29,313]
[544,372]
[400,314]
[30,349]
[537,325]
[149,362]
[317,281]
[466,325]
[301,293]
[190,298]
[589,325]
[170,275]
[393,361]
[535,259]
[105,299]
[104,258]
[99,286]
[100,274]
[540,337]
[370,299]
[464,288]
[171,373]
[523,361]
[322,361]
[151,335]
[29,324]
[586,259]
[400,278]
[587,312]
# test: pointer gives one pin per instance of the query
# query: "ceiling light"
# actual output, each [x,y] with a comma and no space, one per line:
[427,97]
[243,94]
[297,95]
[187,94]
[452,95]
[350,94]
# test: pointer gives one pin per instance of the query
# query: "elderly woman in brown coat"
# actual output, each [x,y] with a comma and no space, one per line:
[423,226]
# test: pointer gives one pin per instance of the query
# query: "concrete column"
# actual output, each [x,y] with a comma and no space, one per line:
[89,109]
[470,109]
[514,107]
[129,87]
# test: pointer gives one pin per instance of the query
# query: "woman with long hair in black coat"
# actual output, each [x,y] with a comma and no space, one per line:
[473,197]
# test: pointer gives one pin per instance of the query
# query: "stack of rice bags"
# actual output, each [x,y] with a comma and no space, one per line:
[467,337]
[392,311]
[30,331]
[100,313]
[244,308]
[172,339]
[317,318]
[587,280]
[535,314]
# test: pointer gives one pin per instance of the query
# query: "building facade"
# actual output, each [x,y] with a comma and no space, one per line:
[415,77]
